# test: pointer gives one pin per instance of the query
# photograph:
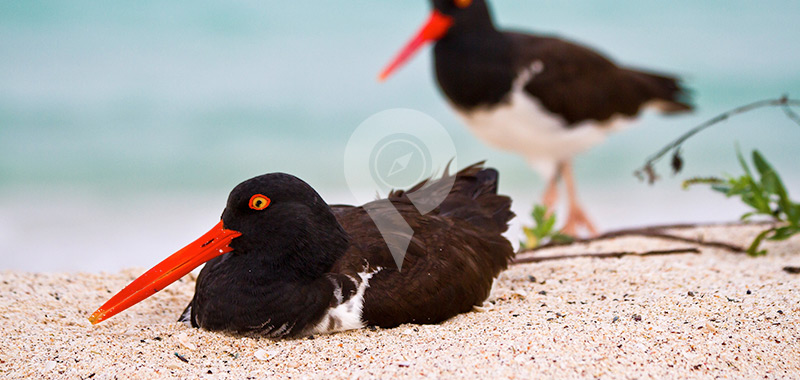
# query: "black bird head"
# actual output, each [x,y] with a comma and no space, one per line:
[447,17]
[277,221]
[285,225]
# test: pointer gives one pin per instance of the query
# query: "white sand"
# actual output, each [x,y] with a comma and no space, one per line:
[632,317]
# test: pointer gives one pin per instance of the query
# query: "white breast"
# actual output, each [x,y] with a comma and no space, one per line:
[346,315]
[523,126]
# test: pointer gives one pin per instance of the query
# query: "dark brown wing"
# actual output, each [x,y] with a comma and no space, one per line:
[580,84]
[455,252]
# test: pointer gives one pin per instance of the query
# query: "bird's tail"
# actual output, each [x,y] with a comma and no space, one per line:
[471,196]
[668,92]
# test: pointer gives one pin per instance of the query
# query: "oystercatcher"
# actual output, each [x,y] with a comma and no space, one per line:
[542,97]
[284,263]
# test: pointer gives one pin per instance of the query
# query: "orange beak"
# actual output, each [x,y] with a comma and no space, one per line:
[212,244]
[434,29]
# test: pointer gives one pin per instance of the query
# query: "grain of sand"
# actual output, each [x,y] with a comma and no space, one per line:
[715,314]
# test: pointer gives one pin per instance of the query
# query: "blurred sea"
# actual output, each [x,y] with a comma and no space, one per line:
[123,126]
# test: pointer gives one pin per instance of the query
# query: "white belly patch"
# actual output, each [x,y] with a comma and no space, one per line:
[523,126]
[346,315]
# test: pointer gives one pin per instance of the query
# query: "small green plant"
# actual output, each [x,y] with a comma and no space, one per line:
[766,196]
[543,230]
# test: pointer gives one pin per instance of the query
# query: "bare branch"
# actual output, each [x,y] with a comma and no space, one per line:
[647,170]
[603,255]
[664,235]
[659,232]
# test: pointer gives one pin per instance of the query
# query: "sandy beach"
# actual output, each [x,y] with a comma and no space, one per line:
[715,314]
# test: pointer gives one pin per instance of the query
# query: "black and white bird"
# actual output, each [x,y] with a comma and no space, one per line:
[284,263]
[541,97]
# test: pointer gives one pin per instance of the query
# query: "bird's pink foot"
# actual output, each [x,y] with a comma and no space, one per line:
[577,222]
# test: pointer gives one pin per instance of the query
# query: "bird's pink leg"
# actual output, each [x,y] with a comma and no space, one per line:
[551,192]
[576,218]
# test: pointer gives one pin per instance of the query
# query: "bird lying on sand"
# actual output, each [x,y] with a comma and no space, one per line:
[283,263]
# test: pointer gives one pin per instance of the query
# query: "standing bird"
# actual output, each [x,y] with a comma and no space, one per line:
[544,98]
[284,263]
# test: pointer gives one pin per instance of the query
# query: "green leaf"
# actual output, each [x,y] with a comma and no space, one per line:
[793,213]
[758,202]
[752,250]
[783,233]
[747,215]
[761,164]
[548,225]
[724,188]
[542,224]
[741,185]
[757,197]
[538,213]
[742,162]
[771,183]
[789,208]
[769,177]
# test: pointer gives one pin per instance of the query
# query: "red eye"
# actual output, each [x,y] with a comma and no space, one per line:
[259,202]
[462,3]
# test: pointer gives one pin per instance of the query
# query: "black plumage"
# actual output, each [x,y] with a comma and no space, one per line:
[299,258]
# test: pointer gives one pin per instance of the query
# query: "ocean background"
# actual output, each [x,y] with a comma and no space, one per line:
[123,126]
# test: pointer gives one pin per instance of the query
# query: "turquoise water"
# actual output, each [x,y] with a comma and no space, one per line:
[124,126]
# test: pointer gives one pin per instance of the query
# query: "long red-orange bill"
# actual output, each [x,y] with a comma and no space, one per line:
[434,29]
[212,244]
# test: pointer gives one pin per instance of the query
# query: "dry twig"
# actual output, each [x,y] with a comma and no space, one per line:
[525,260]
[656,232]
[648,171]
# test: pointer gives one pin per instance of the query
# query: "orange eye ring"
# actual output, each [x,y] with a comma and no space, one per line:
[259,202]
[462,3]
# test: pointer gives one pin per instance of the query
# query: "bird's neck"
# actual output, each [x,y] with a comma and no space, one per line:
[306,257]
[474,70]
